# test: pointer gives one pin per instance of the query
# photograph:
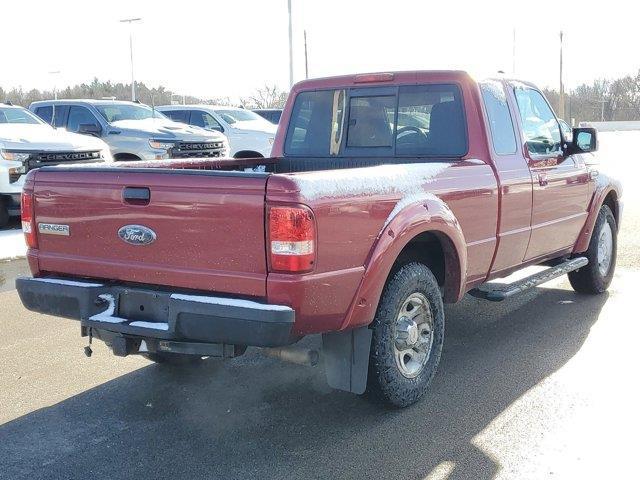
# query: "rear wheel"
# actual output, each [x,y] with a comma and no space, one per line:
[597,275]
[172,358]
[408,333]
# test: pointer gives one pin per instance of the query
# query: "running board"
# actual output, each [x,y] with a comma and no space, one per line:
[496,292]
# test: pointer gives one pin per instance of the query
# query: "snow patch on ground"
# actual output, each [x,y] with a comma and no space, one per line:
[230,302]
[381,179]
[12,244]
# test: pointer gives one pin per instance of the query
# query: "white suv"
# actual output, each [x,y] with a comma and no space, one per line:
[250,135]
[26,142]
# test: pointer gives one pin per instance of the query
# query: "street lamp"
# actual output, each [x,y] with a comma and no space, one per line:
[133,83]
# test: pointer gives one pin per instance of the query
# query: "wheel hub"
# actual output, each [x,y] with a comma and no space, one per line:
[605,249]
[413,335]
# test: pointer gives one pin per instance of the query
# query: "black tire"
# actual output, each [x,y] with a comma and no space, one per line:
[590,279]
[167,358]
[4,214]
[386,382]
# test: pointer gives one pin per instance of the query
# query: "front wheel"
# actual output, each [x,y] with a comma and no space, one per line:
[408,333]
[597,275]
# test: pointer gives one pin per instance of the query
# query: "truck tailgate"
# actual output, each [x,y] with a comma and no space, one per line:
[208,226]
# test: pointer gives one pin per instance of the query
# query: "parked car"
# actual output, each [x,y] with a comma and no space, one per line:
[132,130]
[26,142]
[271,114]
[249,135]
[358,230]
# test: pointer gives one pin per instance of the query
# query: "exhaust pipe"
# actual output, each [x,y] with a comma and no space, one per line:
[299,356]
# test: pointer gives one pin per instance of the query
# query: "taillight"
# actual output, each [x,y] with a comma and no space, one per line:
[292,237]
[28,219]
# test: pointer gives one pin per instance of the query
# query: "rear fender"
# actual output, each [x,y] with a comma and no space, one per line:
[411,217]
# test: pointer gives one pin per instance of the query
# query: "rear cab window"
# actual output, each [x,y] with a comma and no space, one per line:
[413,120]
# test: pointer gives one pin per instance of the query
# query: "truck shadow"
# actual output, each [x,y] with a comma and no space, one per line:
[257,418]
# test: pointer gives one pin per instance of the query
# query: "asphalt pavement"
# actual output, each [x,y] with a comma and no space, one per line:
[544,385]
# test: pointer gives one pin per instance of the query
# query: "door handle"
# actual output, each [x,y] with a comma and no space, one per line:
[543,180]
[593,174]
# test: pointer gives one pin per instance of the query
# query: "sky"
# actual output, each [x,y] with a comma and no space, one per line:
[229,48]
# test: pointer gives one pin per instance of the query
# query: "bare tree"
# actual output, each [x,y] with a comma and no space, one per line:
[269,96]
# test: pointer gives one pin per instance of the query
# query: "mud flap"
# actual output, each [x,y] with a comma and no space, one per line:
[346,359]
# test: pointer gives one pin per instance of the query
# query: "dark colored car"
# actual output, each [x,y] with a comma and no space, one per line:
[271,114]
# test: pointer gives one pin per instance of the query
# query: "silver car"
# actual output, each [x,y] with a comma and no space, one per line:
[132,130]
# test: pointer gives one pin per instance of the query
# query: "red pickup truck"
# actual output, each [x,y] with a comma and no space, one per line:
[386,195]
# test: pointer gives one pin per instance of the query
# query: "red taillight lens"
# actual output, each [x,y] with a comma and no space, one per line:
[28,219]
[292,237]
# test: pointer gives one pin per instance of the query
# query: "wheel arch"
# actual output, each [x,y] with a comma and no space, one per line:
[607,193]
[426,231]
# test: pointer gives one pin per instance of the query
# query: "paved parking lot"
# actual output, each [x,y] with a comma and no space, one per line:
[540,386]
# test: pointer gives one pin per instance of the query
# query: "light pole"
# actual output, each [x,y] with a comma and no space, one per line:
[133,82]
[55,97]
[290,46]
[561,94]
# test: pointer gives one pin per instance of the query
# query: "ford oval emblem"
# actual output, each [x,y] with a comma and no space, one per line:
[137,235]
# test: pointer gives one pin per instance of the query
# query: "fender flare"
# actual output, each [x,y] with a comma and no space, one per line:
[411,217]
[604,187]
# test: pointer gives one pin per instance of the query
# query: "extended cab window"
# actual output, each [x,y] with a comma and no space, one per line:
[502,133]
[316,124]
[539,124]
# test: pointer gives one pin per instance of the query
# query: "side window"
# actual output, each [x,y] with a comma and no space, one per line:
[431,121]
[371,121]
[203,119]
[45,113]
[79,116]
[541,129]
[317,124]
[177,115]
[502,132]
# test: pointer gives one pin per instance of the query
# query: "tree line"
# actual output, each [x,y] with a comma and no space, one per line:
[269,96]
[601,100]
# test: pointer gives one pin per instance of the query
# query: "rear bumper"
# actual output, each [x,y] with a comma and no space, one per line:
[161,315]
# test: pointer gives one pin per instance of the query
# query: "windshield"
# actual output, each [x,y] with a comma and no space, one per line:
[233,116]
[123,111]
[18,115]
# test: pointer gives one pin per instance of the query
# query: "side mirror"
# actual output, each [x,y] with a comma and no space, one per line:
[216,128]
[585,140]
[89,129]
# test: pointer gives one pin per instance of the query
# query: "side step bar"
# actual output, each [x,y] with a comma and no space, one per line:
[496,292]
